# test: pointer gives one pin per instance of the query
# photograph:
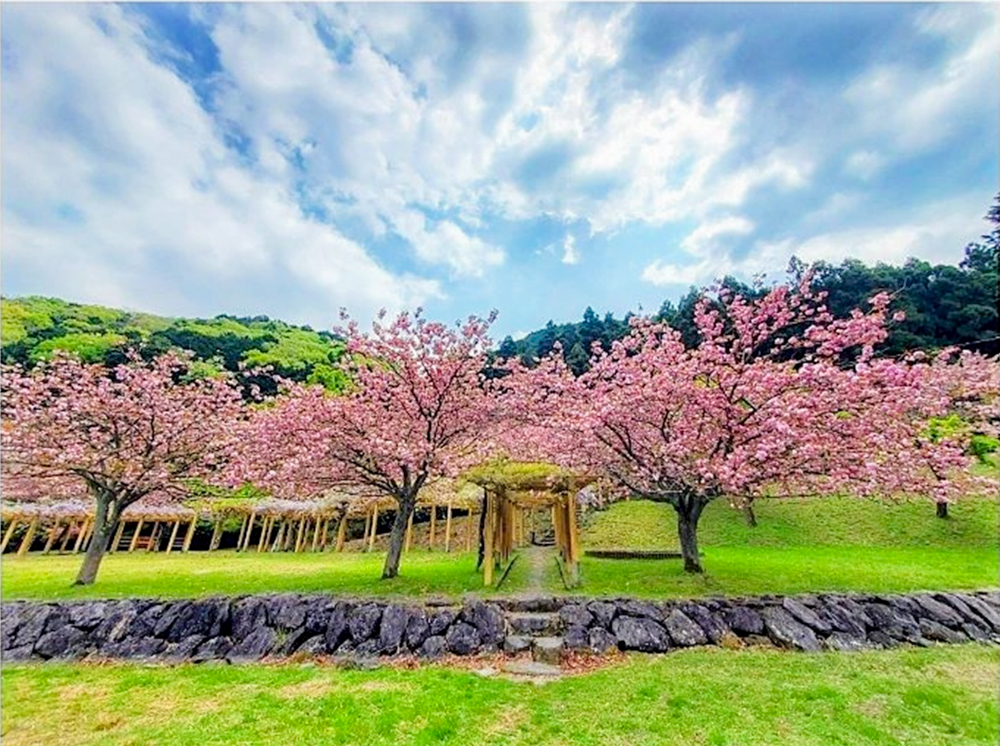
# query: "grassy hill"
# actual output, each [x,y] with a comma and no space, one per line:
[827,522]
[33,328]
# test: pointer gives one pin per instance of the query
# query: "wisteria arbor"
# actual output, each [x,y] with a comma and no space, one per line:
[778,398]
[137,432]
[417,409]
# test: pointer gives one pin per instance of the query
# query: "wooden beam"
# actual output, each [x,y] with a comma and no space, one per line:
[84,527]
[409,531]
[173,536]
[118,535]
[469,523]
[447,530]
[488,540]
[430,536]
[8,534]
[299,534]
[246,539]
[573,537]
[190,534]
[316,535]
[216,535]
[88,536]
[371,540]
[264,529]
[154,538]
[68,533]
[342,533]
[53,532]
[243,528]
[29,537]
[135,537]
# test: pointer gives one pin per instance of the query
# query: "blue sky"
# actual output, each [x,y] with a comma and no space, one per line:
[537,159]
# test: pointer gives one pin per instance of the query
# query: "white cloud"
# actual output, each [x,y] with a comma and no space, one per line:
[571,254]
[446,243]
[665,273]
[155,207]
[864,164]
[703,239]
[916,109]
[937,233]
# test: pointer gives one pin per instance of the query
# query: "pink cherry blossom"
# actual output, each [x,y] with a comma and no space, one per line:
[137,432]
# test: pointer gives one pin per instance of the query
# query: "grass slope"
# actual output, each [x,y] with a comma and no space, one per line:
[920,697]
[831,544]
[833,521]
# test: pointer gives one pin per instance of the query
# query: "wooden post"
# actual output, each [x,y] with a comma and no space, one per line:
[216,535]
[246,539]
[342,533]
[488,541]
[299,534]
[243,528]
[84,528]
[118,535]
[8,534]
[28,538]
[87,536]
[430,537]
[265,525]
[52,537]
[371,539]
[135,537]
[190,534]
[409,531]
[316,535]
[447,530]
[325,537]
[69,532]
[154,538]
[573,539]
[469,523]
[173,536]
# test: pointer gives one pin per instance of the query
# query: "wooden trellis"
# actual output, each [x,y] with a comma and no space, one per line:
[271,525]
[512,496]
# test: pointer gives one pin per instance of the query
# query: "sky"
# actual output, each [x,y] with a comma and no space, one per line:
[290,160]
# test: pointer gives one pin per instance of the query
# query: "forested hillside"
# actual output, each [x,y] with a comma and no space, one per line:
[33,328]
[944,304]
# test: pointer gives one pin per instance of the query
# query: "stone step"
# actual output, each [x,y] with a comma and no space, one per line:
[547,650]
[533,623]
[531,671]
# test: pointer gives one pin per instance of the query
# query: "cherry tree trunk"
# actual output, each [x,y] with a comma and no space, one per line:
[398,536]
[942,510]
[689,510]
[105,522]
[749,515]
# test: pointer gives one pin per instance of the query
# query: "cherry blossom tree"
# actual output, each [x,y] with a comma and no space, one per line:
[136,432]
[778,398]
[417,409]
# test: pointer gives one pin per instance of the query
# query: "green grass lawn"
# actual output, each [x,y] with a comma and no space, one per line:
[232,573]
[919,697]
[834,544]
[759,570]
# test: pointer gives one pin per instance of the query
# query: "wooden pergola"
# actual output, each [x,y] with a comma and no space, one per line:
[70,524]
[265,525]
[513,493]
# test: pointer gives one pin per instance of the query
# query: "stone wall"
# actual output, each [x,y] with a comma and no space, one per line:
[249,628]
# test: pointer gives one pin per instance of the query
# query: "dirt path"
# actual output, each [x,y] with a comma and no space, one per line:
[537,559]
